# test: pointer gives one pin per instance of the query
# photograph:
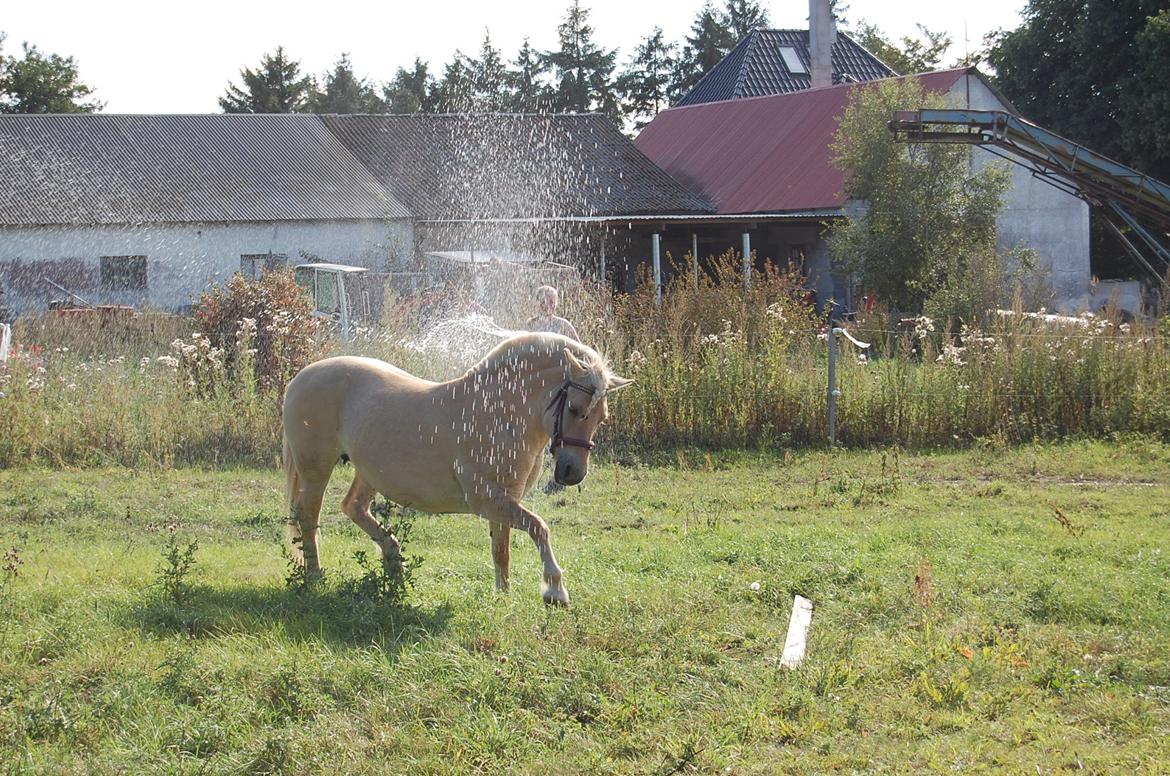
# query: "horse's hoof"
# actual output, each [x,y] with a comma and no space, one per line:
[555,596]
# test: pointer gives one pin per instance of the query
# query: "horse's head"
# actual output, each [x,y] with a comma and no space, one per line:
[577,409]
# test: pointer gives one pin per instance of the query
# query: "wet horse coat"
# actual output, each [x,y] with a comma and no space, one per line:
[474,444]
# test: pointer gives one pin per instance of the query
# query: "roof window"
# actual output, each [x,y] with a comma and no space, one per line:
[792,61]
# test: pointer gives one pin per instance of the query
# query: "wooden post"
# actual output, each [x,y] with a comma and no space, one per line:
[656,252]
[747,260]
[695,260]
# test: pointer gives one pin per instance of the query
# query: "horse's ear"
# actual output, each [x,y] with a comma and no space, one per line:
[616,383]
[575,362]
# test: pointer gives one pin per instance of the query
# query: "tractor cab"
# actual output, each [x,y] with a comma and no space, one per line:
[340,294]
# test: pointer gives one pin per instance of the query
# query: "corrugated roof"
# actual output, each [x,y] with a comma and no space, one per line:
[755,67]
[511,166]
[121,169]
[763,154]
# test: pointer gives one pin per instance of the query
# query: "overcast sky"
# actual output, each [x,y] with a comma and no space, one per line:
[151,57]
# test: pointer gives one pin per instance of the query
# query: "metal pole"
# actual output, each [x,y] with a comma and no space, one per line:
[656,249]
[601,258]
[695,260]
[833,392]
[747,260]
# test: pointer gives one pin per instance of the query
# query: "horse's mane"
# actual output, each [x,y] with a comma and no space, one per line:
[536,346]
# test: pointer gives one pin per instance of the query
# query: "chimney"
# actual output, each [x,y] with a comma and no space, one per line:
[821,33]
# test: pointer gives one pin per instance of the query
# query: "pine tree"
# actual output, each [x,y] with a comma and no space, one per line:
[489,78]
[277,86]
[527,91]
[645,84]
[582,71]
[42,83]
[410,90]
[708,42]
[453,92]
[743,16]
[344,92]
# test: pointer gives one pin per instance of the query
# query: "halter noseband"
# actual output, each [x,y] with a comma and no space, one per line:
[558,437]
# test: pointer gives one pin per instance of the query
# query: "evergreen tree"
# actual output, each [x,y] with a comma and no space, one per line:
[489,78]
[527,91]
[708,42]
[582,71]
[453,92]
[277,86]
[42,83]
[344,92]
[410,91]
[743,16]
[645,83]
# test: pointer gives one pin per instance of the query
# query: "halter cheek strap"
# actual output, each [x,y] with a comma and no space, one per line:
[558,401]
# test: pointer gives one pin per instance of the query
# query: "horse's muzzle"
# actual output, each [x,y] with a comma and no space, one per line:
[568,472]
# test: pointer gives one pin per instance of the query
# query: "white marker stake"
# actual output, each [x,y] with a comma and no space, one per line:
[798,626]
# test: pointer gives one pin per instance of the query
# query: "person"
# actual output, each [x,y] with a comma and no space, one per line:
[548,320]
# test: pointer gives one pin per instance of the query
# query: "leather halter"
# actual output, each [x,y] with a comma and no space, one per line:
[559,400]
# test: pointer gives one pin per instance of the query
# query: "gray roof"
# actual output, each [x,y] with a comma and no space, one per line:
[512,166]
[117,169]
[755,67]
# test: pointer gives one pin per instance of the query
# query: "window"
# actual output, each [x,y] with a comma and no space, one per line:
[792,61]
[797,257]
[252,264]
[123,273]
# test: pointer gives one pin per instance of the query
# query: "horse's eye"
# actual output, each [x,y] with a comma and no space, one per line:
[575,411]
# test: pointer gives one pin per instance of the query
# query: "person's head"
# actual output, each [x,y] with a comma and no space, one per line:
[546,299]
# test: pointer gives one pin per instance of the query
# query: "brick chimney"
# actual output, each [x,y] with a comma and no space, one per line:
[821,33]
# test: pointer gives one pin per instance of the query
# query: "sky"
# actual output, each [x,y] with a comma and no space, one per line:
[151,57]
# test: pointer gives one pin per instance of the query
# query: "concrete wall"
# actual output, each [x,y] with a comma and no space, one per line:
[182,259]
[1035,214]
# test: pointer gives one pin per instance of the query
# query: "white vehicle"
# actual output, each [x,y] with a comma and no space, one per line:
[340,293]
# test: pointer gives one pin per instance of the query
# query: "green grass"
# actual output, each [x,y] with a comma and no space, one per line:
[959,626]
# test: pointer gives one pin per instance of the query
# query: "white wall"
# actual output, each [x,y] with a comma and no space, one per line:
[183,260]
[1035,214]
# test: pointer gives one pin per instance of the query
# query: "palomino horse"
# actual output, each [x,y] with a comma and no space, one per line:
[474,444]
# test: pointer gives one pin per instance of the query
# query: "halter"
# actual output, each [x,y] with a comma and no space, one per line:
[559,399]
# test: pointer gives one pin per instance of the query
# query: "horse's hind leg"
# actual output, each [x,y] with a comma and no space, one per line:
[307,516]
[356,506]
[501,551]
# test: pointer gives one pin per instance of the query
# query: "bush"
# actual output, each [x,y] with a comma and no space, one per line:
[275,313]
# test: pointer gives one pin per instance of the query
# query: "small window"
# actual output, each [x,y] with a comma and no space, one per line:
[123,273]
[792,61]
[253,264]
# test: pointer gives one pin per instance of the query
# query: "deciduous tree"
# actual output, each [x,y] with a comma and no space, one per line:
[925,238]
[42,83]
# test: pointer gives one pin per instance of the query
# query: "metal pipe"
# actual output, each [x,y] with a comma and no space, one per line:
[695,260]
[656,252]
[833,392]
[747,260]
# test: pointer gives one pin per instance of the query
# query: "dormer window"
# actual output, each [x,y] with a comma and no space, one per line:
[792,61]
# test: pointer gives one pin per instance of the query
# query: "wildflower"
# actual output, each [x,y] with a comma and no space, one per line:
[170,361]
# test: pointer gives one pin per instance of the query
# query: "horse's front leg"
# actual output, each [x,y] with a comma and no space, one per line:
[495,504]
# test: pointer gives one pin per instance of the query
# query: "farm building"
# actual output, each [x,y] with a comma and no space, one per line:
[152,209]
[754,139]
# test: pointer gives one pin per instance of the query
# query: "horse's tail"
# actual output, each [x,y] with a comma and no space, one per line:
[292,487]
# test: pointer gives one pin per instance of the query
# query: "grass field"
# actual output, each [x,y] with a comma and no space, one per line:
[995,610]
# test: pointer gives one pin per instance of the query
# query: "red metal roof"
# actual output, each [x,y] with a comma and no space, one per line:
[762,154]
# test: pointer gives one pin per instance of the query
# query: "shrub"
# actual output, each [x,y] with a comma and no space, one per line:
[275,312]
